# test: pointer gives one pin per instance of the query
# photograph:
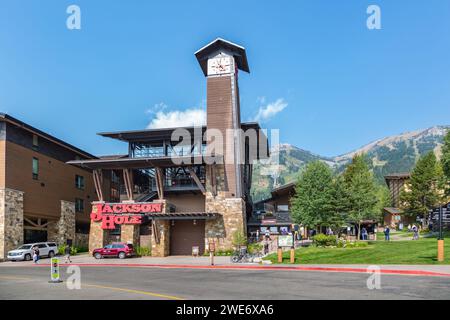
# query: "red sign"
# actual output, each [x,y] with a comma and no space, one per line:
[269,221]
[111,214]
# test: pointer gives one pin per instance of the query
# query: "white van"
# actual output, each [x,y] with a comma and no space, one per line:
[25,251]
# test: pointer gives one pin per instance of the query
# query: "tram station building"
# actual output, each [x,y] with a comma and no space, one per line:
[180,189]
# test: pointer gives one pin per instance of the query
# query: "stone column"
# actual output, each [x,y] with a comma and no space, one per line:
[66,224]
[230,219]
[162,249]
[11,220]
[129,233]
[96,236]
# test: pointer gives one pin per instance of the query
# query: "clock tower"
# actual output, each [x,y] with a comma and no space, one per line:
[220,61]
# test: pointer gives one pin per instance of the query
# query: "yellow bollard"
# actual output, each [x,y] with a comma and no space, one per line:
[440,250]
[292,255]
[280,255]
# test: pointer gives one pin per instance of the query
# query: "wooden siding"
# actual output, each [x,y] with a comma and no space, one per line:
[56,182]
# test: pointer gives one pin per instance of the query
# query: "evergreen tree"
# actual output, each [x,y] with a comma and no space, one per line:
[383,201]
[312,202]
[339,204]
[445,161]
[360,190]
[424,188]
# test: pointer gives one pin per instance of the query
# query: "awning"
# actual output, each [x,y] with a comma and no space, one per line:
[181,215]
[148,162]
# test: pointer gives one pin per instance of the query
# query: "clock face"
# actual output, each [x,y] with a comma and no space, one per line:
[219,65]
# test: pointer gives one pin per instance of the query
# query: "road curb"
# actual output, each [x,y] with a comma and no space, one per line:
[261,268]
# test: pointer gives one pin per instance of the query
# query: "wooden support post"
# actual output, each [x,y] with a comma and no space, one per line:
[197,180]
[98,177]
[128,179]
[440,250]
[280,255]
[155,232]
[160,183]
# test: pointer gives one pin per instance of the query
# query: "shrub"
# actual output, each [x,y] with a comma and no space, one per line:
[227,252]
[143,251]
[357,244]
[82,249]
[62,249]
[239,239]
[322,240]
[254,248]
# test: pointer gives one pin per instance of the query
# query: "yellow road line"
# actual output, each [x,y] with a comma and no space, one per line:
[106,287]
[134,291]
[14,278]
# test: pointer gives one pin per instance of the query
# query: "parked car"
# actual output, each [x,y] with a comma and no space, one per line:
[119,249]
[25,251]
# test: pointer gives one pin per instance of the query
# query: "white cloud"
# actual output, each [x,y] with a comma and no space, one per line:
[157,107]
[174,119]
[270,110]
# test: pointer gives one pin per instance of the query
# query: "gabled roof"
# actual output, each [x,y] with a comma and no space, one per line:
[393,210]
[403,175]
[7,118]
[237,51]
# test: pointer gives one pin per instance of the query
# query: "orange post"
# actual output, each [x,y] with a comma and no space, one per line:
[440,250]
[280,255]
[292,255]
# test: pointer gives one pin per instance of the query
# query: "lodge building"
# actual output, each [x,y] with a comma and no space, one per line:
[175,194]
[41,197]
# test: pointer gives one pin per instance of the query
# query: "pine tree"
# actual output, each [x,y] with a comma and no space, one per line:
[445,162]
[424,188]
[360,190]
[312,202]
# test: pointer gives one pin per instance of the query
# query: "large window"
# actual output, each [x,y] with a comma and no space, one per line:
[35,169]
[79,182]
[79,205]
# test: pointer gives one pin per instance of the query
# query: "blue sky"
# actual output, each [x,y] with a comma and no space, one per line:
[342,85]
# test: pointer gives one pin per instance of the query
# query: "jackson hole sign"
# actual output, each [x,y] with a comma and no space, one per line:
[112,214]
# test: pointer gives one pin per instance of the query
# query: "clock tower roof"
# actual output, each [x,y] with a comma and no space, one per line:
[237,51]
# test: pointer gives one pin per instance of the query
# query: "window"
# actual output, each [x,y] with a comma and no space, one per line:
[79,182]
[35,142]
[79,205]
[35,168]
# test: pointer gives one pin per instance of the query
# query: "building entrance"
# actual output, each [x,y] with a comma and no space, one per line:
[185,234]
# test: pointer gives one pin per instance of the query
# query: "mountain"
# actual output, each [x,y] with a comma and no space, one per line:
[389,155]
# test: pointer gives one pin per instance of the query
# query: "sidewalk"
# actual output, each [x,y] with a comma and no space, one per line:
[176,262]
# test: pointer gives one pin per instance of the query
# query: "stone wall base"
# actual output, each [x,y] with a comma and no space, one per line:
[11,220]
[129,233]
[230,220]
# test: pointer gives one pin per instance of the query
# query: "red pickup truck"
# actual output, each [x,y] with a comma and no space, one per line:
[117,249]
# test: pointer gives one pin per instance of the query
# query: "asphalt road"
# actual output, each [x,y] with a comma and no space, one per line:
[154,283]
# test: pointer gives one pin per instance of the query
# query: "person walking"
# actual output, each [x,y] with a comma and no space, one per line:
[267,235]
[67,251]
[266,247]
[364,233]
[387,232]
[35,254]
[415,232]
